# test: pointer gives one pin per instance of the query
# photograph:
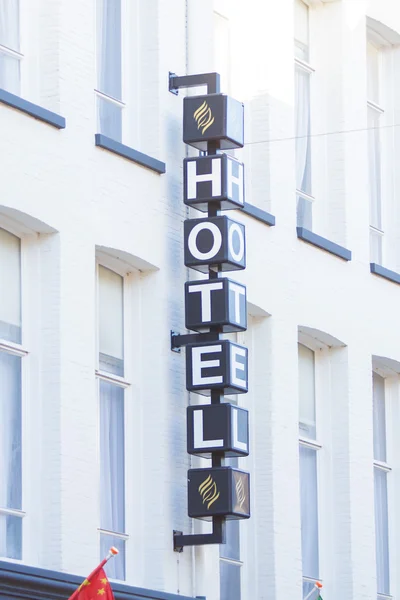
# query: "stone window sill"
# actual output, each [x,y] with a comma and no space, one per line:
[102,141]
[33,110]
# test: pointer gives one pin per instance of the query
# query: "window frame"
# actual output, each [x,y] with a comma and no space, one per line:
[129,276]
[317,446]
[374,230]
[29,412]
[17,54]
[305,66]
[386,467]
[128,103]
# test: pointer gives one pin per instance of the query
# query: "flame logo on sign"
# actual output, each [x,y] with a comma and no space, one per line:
[208,491]
[240,492]
[203,117]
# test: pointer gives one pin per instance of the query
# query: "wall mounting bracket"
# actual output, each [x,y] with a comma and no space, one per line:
[178,340]
[211,80]
[199,539]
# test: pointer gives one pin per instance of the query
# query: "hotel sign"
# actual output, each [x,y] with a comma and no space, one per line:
[214,366]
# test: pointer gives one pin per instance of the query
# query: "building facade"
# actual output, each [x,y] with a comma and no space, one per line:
[93,401]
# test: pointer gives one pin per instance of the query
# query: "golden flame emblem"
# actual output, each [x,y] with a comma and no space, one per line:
[203,117]
[208,491]
[240,493]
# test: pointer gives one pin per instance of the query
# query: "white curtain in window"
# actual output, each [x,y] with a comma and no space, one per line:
[112,469]
[9,24]
[9,37]
[10,453]
[10,286]
[374,144]
[109,66]
[373,73]
[309,511]
[381,531]
[307,425]
[111,321]
[303,145]
[379,417]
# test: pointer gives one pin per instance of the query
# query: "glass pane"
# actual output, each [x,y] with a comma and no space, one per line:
[10,284]
[307,587]
[374,150]
[112,458]
[303,131]
[231,549]
[309,511]
[10,432]
[375,246]
[111,321]
[110,119]
[9,24]
[373,59]
[381,531]
[10,537]
[301,33]
[109,54]
[379,408]
[229,581]
[304,213]
[307,424]
[115,568]
[10,77]
[222,52]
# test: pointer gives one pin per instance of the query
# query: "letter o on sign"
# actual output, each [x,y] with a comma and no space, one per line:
[217,241]
[234,228]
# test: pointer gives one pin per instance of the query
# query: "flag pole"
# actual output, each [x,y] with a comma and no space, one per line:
[317,586]
[112,552]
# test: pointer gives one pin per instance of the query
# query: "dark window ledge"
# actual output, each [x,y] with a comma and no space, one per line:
[257,213]
[34,110]
[127,152]
[19,582]
[323,243]
[385,273]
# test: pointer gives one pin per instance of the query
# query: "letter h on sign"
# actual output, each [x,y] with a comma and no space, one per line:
[216,178]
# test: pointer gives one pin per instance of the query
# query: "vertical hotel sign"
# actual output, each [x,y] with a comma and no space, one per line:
[215,367]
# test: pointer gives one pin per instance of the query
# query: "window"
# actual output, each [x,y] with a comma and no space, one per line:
[10,56]
[112,386]
[381,471]
[11,356]
[375,113]
[309,448]
[230,563]
[303,71]
[109,68]
[222,50]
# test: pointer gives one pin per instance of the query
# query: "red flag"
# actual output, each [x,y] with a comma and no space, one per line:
[96,587]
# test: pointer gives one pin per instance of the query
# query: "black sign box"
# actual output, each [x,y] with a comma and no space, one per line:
[219,302]
[222,491]
[214,117]
[218,178]
[220,365]
[216,241]
[217,428]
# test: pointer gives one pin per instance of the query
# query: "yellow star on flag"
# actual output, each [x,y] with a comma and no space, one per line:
[104,581]
[101,592]
[86,582]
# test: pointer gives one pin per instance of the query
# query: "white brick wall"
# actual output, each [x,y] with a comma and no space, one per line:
[83,197]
